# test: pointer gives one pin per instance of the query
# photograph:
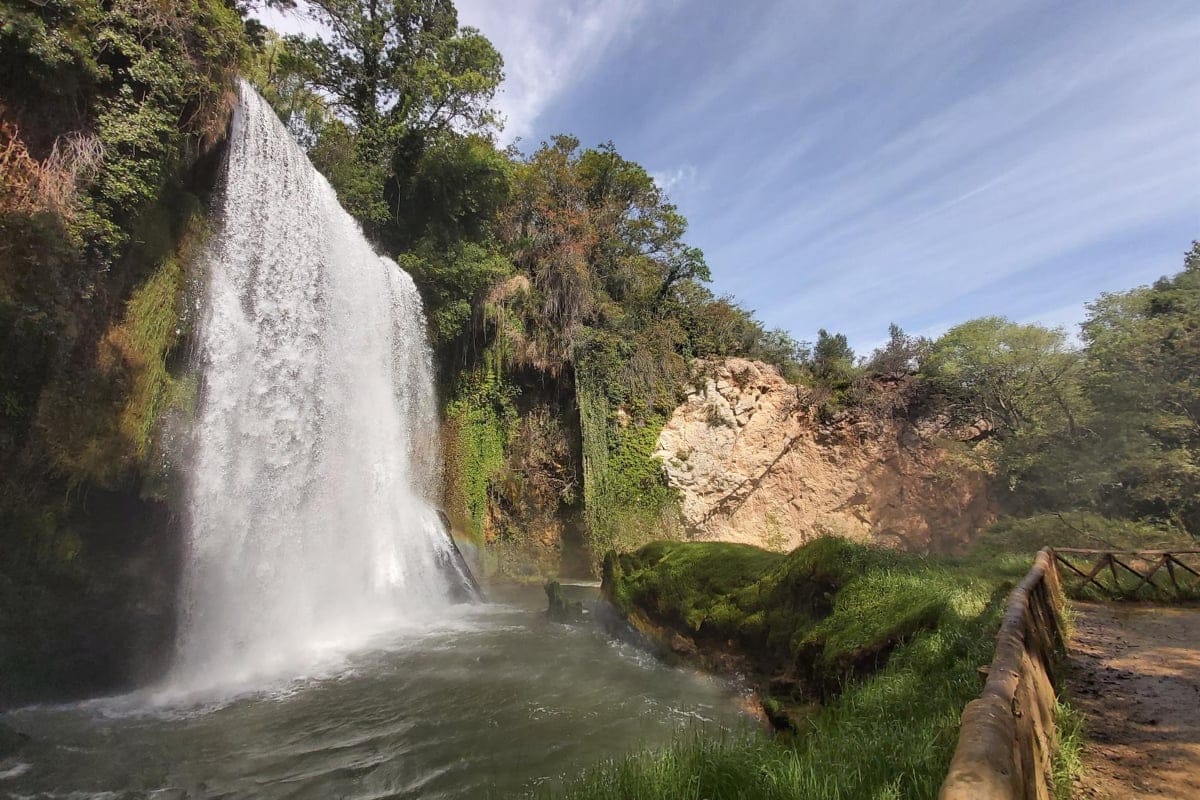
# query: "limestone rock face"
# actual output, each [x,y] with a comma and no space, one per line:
[753,464]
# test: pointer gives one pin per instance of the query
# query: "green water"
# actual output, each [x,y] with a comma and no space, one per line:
[493,702]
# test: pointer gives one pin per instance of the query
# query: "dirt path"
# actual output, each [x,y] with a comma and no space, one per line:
[1135,675]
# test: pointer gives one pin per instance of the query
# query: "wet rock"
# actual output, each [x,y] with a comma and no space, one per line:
[778,715]
[559,608]
[682,645]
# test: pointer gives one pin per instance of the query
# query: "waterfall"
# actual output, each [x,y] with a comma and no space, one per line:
[309,523]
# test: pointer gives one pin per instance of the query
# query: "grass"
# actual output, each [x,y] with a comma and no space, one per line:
[1068,760]
[893,641]
[1077,529]
[1086,530]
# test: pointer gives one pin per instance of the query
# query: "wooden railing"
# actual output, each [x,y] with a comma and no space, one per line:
[1126,573]
[1008,737]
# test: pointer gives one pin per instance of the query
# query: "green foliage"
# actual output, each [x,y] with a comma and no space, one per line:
[1017,377]
[404,75]
[1110,428]
[107,104]
[1024,384]
[1143,349]
[901,354]
[719,327]
[281,76]
[452,191]
[150,85]
[890,730]
[833,358]
[453,281]
[478,425]
[626,500]
[108,108]
[401,64]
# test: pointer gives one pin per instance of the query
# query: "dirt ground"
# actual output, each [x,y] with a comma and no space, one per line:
[1135,675]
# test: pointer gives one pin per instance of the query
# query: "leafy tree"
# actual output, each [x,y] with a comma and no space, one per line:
[401,73]
[1023,382]
[902,353]
[1018,378]
[395,66]
[833,358]
[454,192]
[601,247]
[1143,350]
[283,77]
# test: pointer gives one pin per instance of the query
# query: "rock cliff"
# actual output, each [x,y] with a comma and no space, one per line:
[755,461]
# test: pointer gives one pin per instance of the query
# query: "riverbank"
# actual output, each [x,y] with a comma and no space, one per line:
[870,654]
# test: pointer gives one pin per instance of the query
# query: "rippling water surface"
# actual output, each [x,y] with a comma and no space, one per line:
[493,702]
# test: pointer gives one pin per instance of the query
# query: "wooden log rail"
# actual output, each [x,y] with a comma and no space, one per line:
[1085,569]
[1008,736]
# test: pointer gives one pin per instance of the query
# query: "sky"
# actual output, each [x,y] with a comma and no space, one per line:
[845,165]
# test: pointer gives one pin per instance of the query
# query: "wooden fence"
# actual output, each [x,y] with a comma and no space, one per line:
[1130,573]
[1007,740]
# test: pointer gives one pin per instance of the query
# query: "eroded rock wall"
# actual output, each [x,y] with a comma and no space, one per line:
[754,463]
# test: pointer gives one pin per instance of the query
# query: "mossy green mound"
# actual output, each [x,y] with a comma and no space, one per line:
[891,642]
[815,618]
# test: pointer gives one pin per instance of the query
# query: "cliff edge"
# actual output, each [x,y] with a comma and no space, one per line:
[756,460]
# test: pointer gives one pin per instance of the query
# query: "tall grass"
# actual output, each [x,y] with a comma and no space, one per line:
[890,734]
[1068,760]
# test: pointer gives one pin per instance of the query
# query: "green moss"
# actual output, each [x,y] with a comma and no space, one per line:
[150,330]
[825,613]
[691,583]
[100,419]
[923,627]
[626,498]
[478,425]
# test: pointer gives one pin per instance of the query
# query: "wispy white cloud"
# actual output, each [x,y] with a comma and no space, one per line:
[846,165]
[547,46]
[674,181]
[921,188]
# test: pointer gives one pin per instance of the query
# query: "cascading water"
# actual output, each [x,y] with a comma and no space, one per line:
[308,524]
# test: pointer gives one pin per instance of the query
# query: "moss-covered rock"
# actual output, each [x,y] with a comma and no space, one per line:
[804,625]
[559,608]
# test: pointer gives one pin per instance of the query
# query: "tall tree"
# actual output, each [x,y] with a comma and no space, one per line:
[1017,377]
[396,66]
[902,353]
[1144,379]
[833,358]
[400,74]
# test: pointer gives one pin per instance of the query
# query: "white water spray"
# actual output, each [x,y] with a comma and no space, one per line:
[308,521]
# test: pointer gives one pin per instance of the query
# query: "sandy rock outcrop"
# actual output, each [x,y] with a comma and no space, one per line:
[753,463]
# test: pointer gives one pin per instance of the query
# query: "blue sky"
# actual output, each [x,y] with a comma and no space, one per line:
[849,164]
